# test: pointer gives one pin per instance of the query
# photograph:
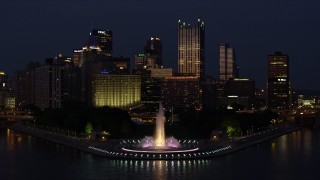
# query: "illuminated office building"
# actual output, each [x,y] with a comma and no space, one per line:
[115,90]
[191,49]
[278,87]
[227,63]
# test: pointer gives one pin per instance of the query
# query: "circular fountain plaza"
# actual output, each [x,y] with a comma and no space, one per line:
[158,146]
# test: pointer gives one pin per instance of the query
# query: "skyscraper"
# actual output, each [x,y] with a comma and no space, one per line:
[25,85]
[48,92]
[99,44]
[153,49]
[103,39]
[191,49]
[278,81]
[227,63]
[151,57]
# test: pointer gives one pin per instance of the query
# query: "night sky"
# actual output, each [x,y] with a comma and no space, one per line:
[32,30]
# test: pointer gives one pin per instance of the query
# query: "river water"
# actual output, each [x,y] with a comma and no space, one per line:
[292,156]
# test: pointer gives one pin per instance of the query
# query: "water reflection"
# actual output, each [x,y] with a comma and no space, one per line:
[296,140]
[307,142]
[284,144]
[13,140]
[162,169]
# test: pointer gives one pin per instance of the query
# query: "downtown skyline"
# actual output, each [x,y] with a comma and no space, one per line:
[274,27]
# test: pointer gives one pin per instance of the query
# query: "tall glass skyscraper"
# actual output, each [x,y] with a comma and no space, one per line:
[227,63]
[191,49]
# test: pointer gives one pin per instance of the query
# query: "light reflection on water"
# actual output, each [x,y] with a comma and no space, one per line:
[161,169]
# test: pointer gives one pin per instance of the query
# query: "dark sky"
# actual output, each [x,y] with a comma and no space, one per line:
[32,30]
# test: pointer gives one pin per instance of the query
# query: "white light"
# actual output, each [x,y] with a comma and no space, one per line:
[140,151]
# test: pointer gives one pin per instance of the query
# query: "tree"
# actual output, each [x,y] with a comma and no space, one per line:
[231,125]
[88,128]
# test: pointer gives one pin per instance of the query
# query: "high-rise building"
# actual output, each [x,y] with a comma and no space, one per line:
[98,44]
[70,78]
[78,57]
[279,95]
[140,61]
[48,90]
[25,85]
[153,50]
[151,57]
[103,39]
[227,62]
[191,49]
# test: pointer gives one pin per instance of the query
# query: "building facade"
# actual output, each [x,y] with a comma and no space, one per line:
[191,49]
[181,92]
[48,90]
[278,87]
[227,62]
[25,85]
[115,90]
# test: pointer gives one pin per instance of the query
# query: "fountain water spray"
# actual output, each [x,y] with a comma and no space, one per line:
[159,133]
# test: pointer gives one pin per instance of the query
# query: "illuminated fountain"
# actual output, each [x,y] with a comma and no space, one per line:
[159,134]
[160,147]
[159,141]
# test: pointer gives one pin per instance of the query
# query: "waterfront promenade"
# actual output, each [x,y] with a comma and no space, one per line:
[113,148]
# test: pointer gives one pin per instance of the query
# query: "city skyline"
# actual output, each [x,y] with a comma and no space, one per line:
[66,26]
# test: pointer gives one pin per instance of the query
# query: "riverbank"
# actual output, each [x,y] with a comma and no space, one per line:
[113,148]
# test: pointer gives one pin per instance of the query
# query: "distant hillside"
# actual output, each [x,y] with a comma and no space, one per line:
[308,92]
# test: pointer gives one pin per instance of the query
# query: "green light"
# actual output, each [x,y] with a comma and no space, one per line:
[141,55]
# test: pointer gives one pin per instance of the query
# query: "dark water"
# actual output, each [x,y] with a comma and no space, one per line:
[293,156]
